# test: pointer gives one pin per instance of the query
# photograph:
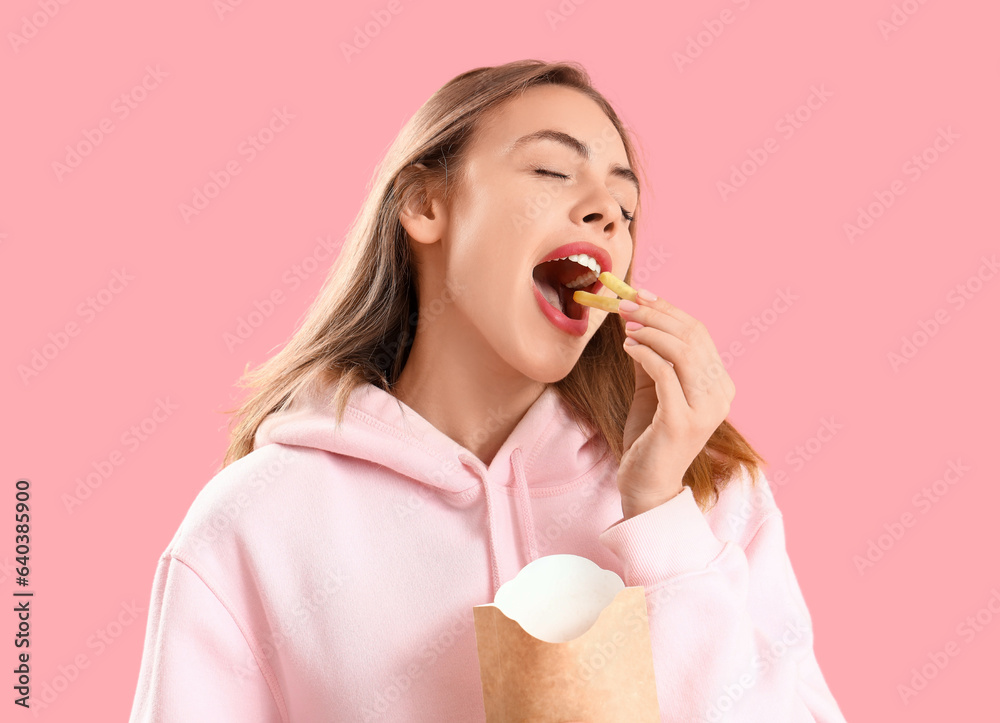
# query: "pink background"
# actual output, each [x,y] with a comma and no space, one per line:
[826,355]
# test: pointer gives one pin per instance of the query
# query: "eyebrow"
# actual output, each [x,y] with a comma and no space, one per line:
[577,146]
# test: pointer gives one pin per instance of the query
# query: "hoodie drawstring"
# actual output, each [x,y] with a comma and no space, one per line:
[527,525]
[493,539]
[522,502]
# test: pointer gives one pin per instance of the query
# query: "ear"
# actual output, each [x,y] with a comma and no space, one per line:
[424,217]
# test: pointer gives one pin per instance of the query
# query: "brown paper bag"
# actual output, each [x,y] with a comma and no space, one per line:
[603,674]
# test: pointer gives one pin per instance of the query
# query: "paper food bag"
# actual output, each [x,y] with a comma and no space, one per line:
[565,640]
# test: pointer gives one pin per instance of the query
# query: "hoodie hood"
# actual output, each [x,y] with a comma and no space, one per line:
[547,448]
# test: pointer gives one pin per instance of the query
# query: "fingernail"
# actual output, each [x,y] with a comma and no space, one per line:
[633,325]
[626,305]
[647,295]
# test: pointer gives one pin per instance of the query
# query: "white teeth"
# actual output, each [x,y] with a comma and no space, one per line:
[588,278]
[584,260]
[580,281]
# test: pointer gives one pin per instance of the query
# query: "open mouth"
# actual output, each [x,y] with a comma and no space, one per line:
[557,280]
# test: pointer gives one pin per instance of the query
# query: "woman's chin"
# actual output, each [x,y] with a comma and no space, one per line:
[551,366]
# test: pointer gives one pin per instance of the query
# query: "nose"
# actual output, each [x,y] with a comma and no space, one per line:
[609,227]
[607,213]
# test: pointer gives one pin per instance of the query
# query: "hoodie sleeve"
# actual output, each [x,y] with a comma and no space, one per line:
[196,662]
[731,635]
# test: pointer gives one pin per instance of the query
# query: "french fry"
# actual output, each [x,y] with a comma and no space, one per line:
[617,285]
[604,303]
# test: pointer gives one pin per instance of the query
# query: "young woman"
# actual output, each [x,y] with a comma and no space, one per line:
[445,415]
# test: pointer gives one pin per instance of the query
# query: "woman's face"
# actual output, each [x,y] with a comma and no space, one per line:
[508,217]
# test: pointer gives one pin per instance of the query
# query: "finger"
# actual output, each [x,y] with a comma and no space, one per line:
[661,314]
[664,306]
[652,316]
[690,365]
[685,327]
[652,319]
[669,394]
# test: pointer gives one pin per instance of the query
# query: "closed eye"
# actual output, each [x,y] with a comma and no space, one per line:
[544,172]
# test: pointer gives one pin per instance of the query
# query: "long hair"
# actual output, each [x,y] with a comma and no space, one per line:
[361,325]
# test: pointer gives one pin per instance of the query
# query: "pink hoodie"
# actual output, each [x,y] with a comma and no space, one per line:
[330,575]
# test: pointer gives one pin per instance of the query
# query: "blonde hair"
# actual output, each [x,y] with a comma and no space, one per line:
[360,326]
